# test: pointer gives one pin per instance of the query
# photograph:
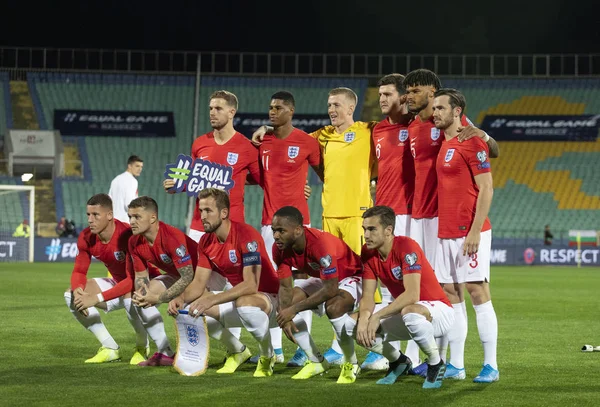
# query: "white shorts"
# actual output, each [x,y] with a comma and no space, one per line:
[425,233]
[352,285]
[230,318]
[266,231]
[386,295]
[105,284]
[402,227]
[453,267]
[195,235]
[442,318]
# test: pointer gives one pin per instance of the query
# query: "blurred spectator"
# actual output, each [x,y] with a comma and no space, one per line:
[23,229]
[548,236]
[66,228]
[124,188]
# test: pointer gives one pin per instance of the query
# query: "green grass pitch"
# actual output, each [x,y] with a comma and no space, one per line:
[545,314]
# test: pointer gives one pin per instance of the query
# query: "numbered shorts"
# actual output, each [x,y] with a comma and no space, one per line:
[425,233]
[453,267]
[442,318]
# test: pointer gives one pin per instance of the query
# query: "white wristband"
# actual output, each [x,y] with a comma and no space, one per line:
[100,298]
[487,137]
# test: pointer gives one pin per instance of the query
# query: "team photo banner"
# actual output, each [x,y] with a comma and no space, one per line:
[114,123]
[248,123]
[192,176]
[542,127]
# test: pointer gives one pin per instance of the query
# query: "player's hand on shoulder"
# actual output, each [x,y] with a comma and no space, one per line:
[168,184]
[259,135]
[468,132]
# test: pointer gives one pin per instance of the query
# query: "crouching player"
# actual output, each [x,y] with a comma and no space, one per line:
[237,252]
[168,248]
[334,271]
[420,310]
[106,239]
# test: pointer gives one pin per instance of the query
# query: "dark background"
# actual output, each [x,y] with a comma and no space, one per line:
[375,26]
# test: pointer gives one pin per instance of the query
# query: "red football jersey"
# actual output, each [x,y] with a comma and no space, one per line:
[171,250]
[396,169]
[457,165]
[113,254]
[406,257]
[244,247]
[325,256]
[239,154]
[425,144]
[284,165]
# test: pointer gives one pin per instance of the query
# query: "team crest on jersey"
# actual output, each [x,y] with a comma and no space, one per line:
[165,259]
[120,255]
[403,135]
[411,258]
[349,137]
[314,266]
[325,261]
[435,134]
[252,246]
[191,332]
[482,156]
[180,251]
[449,155]
[397,272]
[232,256]
[232,158]
[293,151]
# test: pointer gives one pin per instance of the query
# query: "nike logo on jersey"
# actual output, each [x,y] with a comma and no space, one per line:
[202,157]
[266,151]
[379,139]
[413,139]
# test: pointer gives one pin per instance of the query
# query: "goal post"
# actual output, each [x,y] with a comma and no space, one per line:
[17,204]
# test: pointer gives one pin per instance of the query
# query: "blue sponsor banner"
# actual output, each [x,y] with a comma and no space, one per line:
[248,123]
[114,123]
[14,249]
[56,249]
[192,176]
[521,255]
[542,127]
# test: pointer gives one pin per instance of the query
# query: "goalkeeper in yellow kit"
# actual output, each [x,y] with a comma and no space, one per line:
[348,164]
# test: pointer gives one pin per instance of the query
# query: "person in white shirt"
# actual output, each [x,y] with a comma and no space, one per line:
[124,188]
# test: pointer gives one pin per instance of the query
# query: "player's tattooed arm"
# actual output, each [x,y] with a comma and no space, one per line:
[187,275]
[141,283]
[494,148]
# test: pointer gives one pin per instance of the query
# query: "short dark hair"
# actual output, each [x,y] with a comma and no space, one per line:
[134,159]
[227,96]
[422,77]
[286,96]
[146,203]
[395,79]
[102,200]
[292,213]
[455,98]
[219,195]
[387,216]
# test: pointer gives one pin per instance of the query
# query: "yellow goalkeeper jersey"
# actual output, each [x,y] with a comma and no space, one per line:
[348,159]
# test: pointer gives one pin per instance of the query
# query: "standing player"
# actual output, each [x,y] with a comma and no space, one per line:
[420,310]
[237,252]
[465,191]
[335,280]
[395,167]
[285,157]
[166,247]
[425,143]
[106,239]
[124,188]
[224,146]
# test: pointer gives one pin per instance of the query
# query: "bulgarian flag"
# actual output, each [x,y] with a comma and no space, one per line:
[583,237]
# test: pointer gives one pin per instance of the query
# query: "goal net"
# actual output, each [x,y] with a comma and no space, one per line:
[17,227]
